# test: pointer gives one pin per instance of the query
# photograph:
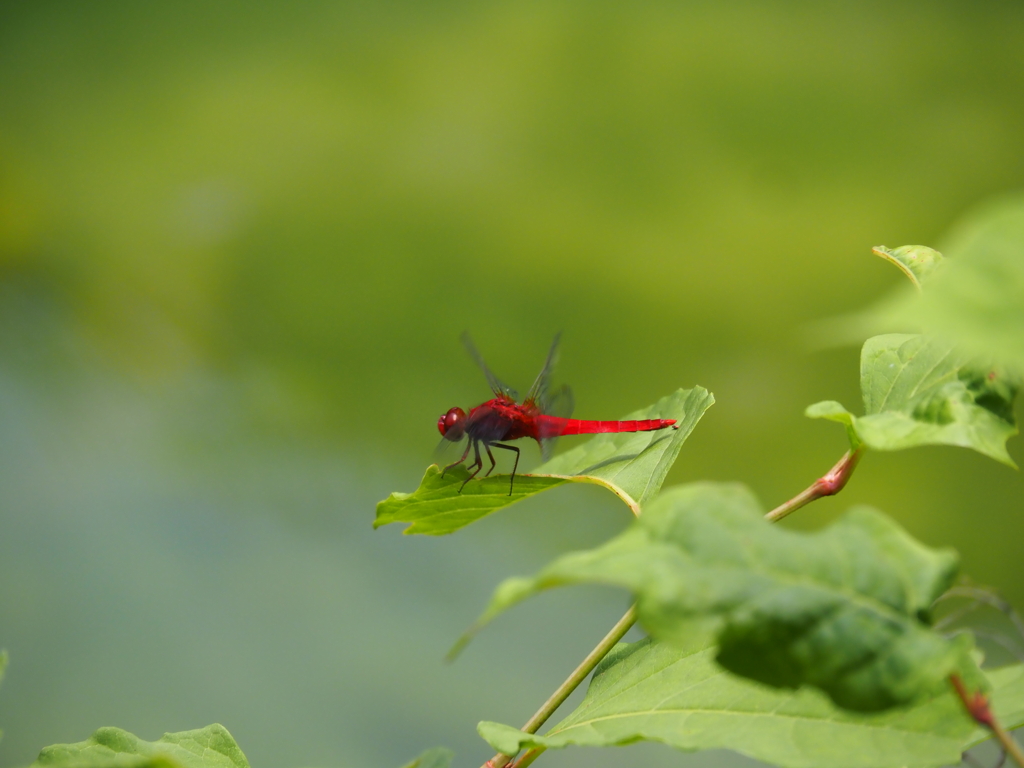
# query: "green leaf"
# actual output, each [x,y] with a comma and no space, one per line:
[632,465]
[917,262]
[974,299]
[209,747]
[438,757]
[834,411]
[840,609]
[920,391]
[977,299]
[678,695]
[437,507]
[636,462]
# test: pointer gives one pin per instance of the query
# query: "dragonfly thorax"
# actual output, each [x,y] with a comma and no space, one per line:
[452,425]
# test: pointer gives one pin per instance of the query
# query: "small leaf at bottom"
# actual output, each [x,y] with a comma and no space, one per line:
[209,747]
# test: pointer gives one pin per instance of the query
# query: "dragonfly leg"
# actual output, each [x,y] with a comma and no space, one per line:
[477,462]
[515,466]
[465,453]
[490,455]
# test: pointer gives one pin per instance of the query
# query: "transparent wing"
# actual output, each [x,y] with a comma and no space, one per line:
[558,403]
[448,450]
[538,392]
[497,386]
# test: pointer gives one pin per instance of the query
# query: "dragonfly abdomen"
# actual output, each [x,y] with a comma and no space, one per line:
[554,426]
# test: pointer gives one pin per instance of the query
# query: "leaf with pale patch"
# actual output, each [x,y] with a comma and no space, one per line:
[632,465]
[921,391]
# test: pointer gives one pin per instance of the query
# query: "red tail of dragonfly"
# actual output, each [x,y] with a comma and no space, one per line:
[543,416]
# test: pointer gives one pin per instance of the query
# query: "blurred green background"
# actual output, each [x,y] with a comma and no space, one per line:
[238,243]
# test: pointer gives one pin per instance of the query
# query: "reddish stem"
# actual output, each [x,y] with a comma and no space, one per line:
[830,484]
[977,706]
[975,703]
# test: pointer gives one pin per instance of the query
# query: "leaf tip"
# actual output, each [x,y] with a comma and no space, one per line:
[1007,459]
[504,738]
[917,262]
[836,411]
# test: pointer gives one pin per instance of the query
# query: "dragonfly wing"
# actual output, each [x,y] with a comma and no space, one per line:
[444,450]
[539,390]
[498,387]
[558,403]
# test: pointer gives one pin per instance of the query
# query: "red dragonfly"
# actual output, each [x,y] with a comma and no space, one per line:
[543,415]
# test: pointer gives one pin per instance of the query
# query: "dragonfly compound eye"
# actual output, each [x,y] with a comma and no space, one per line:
[452,424]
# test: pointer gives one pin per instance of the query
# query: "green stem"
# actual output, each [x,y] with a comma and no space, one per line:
[528,757]
[563,691]
[1005,740]
[832,483]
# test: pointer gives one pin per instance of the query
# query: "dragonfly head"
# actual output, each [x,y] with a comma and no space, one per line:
[452,425]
